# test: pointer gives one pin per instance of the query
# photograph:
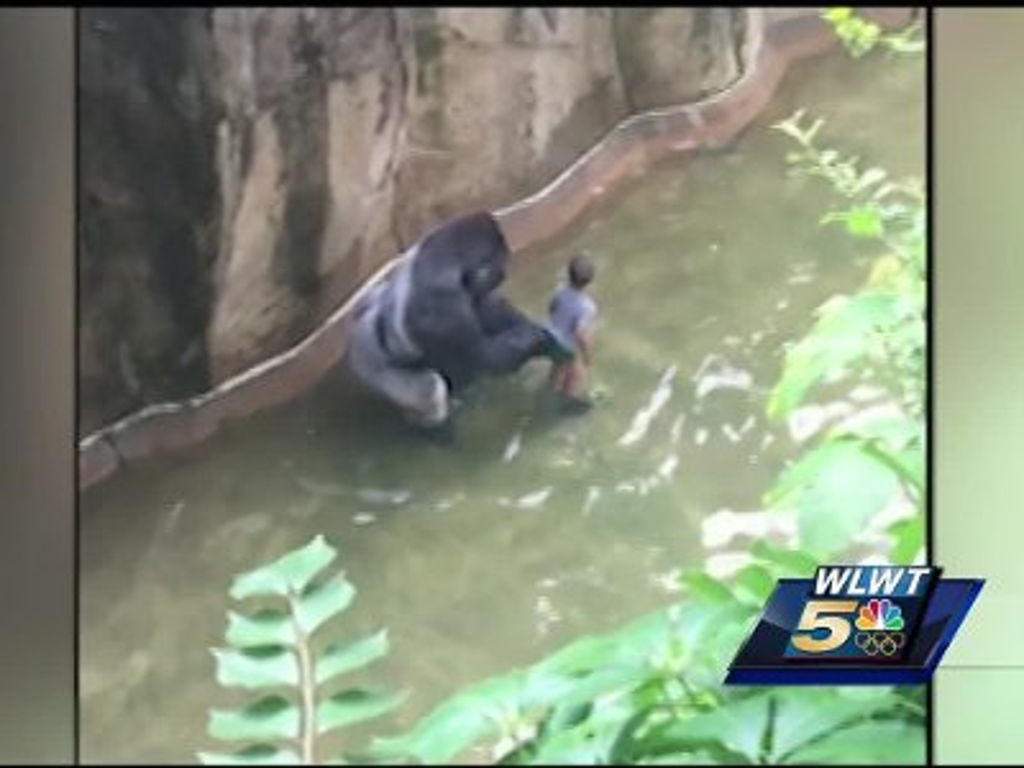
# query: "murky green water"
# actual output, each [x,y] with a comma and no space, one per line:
[534,529]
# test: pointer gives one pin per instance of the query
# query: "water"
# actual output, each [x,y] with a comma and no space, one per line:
[534,529]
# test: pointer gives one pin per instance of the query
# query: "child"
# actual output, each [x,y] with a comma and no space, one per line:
[572,314]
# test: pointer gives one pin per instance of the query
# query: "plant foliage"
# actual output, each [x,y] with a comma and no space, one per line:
[651,693]
[271,651]
[877,332]
[861,36]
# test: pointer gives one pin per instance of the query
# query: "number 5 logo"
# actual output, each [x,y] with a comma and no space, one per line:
[814,618]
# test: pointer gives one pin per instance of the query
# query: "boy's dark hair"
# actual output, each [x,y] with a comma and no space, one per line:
[581,270]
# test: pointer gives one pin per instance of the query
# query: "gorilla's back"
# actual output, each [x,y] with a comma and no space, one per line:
[465,242]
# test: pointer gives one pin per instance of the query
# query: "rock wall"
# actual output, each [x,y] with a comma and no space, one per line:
[315,104]
[148,208]
[243,170]
[776,38]
[672,56]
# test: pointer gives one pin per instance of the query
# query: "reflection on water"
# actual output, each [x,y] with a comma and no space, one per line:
[643,418]
[534,528]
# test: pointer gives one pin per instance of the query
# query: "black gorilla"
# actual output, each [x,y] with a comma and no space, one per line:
[435,323]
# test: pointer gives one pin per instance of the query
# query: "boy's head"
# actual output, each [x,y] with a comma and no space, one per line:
[581,271]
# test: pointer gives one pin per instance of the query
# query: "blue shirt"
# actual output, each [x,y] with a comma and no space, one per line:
[570,310]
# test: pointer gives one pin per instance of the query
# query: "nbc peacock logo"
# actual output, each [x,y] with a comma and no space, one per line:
[877,615]
[879,622]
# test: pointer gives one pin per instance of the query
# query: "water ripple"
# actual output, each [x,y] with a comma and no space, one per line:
[715,372]
[530,500]
[643,418]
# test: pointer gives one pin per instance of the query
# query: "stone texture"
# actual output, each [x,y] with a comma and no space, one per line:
[148,208]
[671,56]
[634,144]
[314,106]
[244,170]
[521,91]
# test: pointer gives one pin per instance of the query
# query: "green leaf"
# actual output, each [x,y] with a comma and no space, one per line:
[590,676]
[588,743]
[358,758]
[258,667]
[601,682]
[266,627]
[836,15]
[896,432]
[578,657]
[272,717]
[716,652]
[290,573]
[444,733]
[908,538]
[541,688]
[836,490]
[694,757]
[630,645]
[864,222]
[736,728]
[845,332]
[904,45]
[259,754]
[870,177]
[321,602]
[340,659]
[804,714]
[355,706]
[795,563]
[907,465]
[707,589]
[871,743]
[755,583]
[564,716]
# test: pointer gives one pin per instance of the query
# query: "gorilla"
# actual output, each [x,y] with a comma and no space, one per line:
[436,323]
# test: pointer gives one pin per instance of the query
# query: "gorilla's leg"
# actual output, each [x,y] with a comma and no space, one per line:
[421,393]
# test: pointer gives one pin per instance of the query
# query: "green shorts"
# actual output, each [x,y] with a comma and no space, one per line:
[560,351]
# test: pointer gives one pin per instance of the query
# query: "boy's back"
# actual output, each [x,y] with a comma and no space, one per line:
[570,309]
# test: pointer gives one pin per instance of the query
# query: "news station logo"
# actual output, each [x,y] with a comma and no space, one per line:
[855,625]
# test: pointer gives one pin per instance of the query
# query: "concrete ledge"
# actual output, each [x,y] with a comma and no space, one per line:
[776,38]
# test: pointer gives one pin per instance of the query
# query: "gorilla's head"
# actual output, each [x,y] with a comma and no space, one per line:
[478,248]
[483,279]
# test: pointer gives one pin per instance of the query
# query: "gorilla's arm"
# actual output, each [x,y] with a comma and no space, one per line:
[455,338]
[497,314]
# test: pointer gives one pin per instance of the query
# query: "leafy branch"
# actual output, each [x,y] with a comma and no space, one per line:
[860,36]
[651,692]
[273,649]
[855,471]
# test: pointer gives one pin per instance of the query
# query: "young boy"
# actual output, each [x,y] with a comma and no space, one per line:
[572,314]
